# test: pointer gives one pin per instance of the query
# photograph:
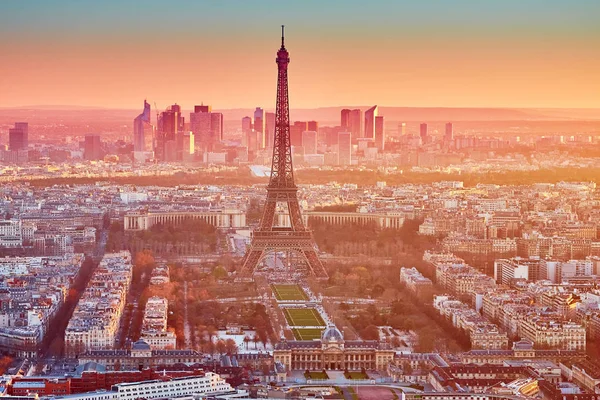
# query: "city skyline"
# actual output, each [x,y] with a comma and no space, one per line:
[539,54]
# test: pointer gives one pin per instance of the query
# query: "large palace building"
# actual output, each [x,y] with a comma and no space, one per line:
[332,352]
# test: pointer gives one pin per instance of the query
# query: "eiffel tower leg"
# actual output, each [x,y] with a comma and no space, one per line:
[314,263]
[295,216]
[268,217]
[250,262]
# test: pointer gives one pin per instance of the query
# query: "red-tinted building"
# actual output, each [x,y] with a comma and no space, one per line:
[88,381]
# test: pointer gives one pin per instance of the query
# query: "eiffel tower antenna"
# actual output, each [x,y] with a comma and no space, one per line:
[297,237]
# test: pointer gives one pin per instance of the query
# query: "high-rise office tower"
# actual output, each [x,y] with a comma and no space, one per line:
[18,137]
[216,127]
[201,125]
[207,127]
[345,118]
[331,134]
[246,124]
[370,115]
[402,128]
[179,120]
[449,133]
[170,122]
[309,142]
[24,127]
[269,128]
[202,109]
[142,129]
[188,147]
[379,133]
[423,133]
[356,123]
[259,126]
[345,148]
[92,149]
[296,132]
[313,126]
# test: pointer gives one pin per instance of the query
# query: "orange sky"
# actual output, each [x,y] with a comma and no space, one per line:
[116,57]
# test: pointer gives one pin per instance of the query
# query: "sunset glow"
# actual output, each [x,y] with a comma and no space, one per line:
[460,53]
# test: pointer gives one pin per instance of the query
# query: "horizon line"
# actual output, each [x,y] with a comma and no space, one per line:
[97,107]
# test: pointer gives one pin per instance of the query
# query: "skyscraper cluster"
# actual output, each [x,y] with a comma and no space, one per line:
[18,144]
[176,141]
[258,132]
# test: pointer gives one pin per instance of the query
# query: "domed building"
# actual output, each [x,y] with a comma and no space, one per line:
[332,352]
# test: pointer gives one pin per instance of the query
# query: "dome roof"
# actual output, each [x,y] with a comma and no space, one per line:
[140,345]
[332,334]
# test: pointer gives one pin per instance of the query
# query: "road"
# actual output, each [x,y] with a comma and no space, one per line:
[186,323]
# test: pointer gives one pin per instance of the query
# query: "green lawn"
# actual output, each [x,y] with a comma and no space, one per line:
[289,292]
[303,317]
[307,334]
[316,375]
[355,375]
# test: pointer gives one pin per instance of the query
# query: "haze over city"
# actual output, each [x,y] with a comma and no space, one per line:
[342,200]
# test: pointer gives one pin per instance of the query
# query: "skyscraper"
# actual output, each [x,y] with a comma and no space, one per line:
[370,115]
[345,148]
[92,149]
[379,133]
[18,137]
[423,133]
[202,109]
[356,123]
[259,126]
[207,127]
[170,122]
[269,129]
[402,128]
[142,129]
[449,133]
[188,147]
[313,126]
[246,125]
[200,124]
[216,127]
[24,127]
[309,142]
[296,132]
[345,118]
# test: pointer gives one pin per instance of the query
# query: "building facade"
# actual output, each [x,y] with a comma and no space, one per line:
[332,352]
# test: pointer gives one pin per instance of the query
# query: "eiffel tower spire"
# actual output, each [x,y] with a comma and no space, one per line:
[282,190]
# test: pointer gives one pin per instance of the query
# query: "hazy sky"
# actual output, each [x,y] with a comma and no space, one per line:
[530,53]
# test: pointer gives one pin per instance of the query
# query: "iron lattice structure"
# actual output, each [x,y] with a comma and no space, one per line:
[282,190]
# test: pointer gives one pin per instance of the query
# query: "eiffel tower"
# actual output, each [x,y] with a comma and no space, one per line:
[282,190]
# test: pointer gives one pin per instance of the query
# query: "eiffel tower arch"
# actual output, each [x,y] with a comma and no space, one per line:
[282,190]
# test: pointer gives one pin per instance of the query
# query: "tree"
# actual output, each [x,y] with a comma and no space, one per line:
[230,346]
[371,332]
[262,336]
[377,291]
[221,347]
[211,331]
[5,363]
[219,272]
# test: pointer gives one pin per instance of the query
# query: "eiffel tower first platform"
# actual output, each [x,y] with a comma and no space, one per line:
[282,189]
